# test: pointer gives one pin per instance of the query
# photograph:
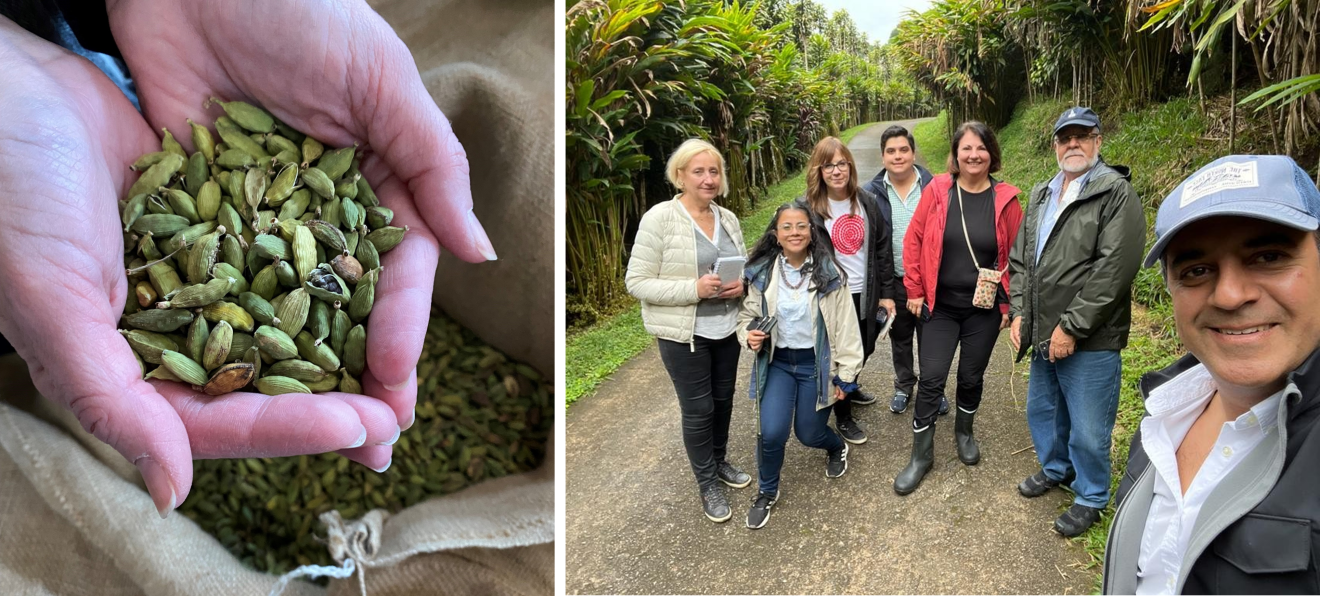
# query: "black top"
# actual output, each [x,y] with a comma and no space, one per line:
[957,279]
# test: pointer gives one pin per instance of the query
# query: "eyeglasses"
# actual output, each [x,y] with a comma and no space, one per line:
[788,227]
[830,167]
[1068,139]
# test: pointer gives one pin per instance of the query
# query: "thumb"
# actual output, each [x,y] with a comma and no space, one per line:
[418,144]
[82,362]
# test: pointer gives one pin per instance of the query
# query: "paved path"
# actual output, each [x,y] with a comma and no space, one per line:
[634,521]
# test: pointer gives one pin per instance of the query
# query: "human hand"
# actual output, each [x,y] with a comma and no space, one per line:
[1003,321]
[839,395]
[1062,345]
[66,140]
[888,305]
[708,286]
[339,73]
[755,338]
[732,289]
[1014,333]
[914,306]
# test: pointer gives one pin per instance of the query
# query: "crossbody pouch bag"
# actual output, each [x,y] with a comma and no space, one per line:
[987,280]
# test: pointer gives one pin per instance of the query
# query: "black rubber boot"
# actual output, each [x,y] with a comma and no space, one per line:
[968,451]
[923,457]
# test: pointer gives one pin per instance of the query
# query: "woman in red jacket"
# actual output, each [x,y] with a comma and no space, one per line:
[961,233]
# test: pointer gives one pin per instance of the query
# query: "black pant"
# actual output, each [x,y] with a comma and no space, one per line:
[843,407]
[976,330]
[703,376]
[906,325]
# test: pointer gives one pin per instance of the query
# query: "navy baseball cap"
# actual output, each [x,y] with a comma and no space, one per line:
[1268,187]
[1077,115]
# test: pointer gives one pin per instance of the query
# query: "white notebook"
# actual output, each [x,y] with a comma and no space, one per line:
[730,269]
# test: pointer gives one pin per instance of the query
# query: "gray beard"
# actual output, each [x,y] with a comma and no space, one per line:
[1089,164]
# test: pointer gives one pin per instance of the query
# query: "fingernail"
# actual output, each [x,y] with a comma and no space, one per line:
[158,485]
[361,439]
[393,439]
[387,466]
[400,386]
[479,237]
[412,417]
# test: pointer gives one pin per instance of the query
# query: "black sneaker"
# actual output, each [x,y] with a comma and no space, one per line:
[898,404]
[1038,484]
[944,405]
[759,514]
[732,476]
[838,463]
[851,431]
[1076,520]
[716,503]
[861,398]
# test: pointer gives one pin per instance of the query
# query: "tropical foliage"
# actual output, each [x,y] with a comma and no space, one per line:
[762,81]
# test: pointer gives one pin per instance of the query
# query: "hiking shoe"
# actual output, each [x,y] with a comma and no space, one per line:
[1076,520]
[898,404]
[861,398]
[732,476]
[759,514]
[1037,484]
[838,463]
[851,431]
[716,504]
[944,405]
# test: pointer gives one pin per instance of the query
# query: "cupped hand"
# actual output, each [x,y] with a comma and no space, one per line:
[66,140]
[335,71]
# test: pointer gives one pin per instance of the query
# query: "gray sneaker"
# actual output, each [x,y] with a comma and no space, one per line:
[732,476]
[760,511]
[838,463]
[899,403]
[716,504]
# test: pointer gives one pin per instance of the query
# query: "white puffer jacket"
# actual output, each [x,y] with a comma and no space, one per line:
[662,271]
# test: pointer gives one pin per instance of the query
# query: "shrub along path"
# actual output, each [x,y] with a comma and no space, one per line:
[634,521]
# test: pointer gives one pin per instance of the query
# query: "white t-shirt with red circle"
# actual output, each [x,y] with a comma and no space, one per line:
[848,233]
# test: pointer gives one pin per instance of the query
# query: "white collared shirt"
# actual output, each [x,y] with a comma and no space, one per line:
[1174,407]
[795,327]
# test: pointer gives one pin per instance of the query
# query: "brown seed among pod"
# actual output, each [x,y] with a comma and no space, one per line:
[347,268]
[229,378]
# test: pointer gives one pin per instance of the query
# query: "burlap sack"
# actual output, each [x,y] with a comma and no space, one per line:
[74,518]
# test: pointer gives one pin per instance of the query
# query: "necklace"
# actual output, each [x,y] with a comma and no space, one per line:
[802,278]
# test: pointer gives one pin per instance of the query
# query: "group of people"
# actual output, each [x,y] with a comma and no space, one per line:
[931,258]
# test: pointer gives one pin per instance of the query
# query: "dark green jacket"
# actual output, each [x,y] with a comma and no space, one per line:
[1083,280]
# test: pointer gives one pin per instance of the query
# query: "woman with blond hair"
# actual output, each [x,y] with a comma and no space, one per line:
[691,313]
[860,237]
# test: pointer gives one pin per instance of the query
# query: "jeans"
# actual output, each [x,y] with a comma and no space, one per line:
[791,388]
[703,376]
[1071,405]
[843,407]
[976,330]
[905,326]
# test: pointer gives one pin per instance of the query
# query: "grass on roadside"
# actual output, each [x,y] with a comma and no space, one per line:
[932,139]
[593,354]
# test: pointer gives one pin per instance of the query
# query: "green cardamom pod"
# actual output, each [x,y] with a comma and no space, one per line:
[164,278]
[196,173]
[346,187]
[286,157]
[253,356]
[292,313]
[198,333]
[237,139]
[320,355]
[236,159]
[349,384]
[254,188]
[272,247]
[386,238]
[280,385]
[223,270]
[233,314]
[202,140]
[229,218]
[355,351]
[318,321]
[148,159]
[148,344]
[339,327]
[319,183]
[183,367]
[311,150]
[203,257]
[169,143]
[277,144]
[353,215]
[286,274]
[304,251]
[366,195]
[199,295]
[331,212]
[183,204]
[258,307]
[328,383]
[335,162]
[350,243]
[275,343]
[247,115]
[297,204]
[157,175]
[217,347]
[163,374]
[160,224]
[328,235]
[208,200]
[367,255]
[379,217]
[160,321]
[231,252]
[364,295]
[133,209]
[238,346]
[265,283]
[282,187]
[298,370]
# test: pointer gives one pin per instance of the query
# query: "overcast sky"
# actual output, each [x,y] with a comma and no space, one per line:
[876,19]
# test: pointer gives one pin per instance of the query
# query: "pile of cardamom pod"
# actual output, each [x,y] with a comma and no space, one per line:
[253,261]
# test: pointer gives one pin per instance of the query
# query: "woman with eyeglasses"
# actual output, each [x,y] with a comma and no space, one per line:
[860,239]
[811,354]
[955,254]
[691,313]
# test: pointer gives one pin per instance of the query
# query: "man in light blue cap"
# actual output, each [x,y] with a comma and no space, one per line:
[1222,490]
